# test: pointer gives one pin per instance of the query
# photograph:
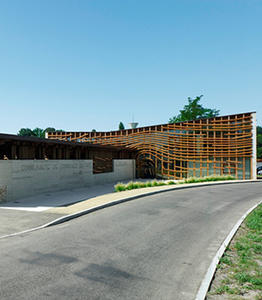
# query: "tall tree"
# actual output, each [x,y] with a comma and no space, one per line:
[25,132]
[50,129]
[193,111]
[121,126]
[39,132]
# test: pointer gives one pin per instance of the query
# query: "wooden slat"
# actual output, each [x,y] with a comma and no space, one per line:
[204,141]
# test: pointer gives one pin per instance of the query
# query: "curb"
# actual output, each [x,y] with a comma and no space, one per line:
[201,294]
[115,202]
[112,203]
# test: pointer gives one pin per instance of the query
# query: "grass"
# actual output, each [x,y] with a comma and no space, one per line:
[136,185]
[240,269]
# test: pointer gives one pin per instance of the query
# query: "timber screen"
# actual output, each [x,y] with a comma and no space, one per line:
[215,146]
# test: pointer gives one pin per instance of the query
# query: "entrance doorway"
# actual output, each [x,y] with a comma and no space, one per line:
[145,168]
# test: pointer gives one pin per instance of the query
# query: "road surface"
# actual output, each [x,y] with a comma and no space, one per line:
[155,247]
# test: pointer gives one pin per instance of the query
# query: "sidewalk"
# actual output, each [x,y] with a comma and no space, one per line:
[43,202]
[31,212]
[36,211]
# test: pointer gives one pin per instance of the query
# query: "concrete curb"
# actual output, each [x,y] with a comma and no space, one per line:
[115,202]
[202,292]
[23,232]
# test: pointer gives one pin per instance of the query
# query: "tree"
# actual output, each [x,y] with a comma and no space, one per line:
[39,132]
[25,132]
[121,126]
[193,111]
[93,130]
[50,129]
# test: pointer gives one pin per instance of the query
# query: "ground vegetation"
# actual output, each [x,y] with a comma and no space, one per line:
[239,273]
[136,185]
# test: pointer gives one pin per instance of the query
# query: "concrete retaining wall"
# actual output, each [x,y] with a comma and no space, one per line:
[23,178]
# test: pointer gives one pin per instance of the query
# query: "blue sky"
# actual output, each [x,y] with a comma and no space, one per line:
[79,65]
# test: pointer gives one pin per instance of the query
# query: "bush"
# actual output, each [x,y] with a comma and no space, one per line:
[154,183]
[136,185]
[131,185]
[171,182]
[149,184]
[120,187]
[141,184]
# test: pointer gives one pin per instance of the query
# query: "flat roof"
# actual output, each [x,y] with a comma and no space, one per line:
[33,139]
[148,126]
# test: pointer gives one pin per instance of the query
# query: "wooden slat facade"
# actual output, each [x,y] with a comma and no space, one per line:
[214,146]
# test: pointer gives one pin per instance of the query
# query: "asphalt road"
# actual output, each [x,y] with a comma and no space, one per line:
[155,247]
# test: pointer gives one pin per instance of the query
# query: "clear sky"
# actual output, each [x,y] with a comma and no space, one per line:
[84,64]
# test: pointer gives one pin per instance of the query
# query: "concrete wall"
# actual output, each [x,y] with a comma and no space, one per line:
[23,178]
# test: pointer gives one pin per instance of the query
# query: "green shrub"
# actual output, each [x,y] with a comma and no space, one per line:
[131,185]
[141,184]
[171,182]
[120,187]
[136,185]
[190,180]
[154,183]
[149,184]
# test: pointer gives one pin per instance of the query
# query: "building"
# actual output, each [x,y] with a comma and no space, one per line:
[13,147]
[30,166]
[224,145]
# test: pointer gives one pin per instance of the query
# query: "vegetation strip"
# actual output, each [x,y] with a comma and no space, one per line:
[136,185]
[239,273]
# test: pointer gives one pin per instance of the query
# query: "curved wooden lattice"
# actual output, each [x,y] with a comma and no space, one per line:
[215,146]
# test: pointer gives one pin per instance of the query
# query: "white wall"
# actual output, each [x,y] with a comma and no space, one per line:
[23,178]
